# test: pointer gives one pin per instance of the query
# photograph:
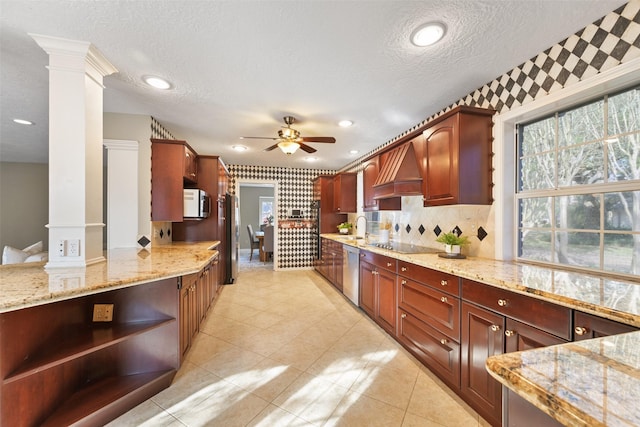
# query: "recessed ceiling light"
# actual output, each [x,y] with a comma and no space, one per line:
[428,34]
[239,147]
[23,122]
[310,159]
[345,123]
[157,82]
[353,152]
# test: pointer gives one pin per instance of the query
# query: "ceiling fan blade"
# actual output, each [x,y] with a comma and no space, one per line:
[258,137]
[273,147]
[306,148]
[328,139]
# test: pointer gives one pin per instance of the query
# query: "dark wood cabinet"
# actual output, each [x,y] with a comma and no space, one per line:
[189,317]
[168,179]
[331,262]
[369,175]
[587,326]
[378,289]
[190,165]
[482,336]
[457,166]
[58,367]
[344,193]
[323,195]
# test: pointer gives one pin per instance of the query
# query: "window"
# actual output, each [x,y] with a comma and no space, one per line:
[578,189]
[266,210]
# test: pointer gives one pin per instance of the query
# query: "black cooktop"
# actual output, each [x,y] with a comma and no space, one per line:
[407,248]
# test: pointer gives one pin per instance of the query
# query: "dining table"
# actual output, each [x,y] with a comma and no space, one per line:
[260,236]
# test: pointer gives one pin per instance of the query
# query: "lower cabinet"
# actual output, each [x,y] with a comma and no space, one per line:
[331,262]
[587,326]
[378,289]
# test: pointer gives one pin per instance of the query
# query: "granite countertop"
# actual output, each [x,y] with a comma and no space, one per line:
[588,383]
[26,285]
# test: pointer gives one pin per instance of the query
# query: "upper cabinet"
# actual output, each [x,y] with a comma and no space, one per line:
[370,173]
[172,162]
[457,158]
[323,187]
[344,193]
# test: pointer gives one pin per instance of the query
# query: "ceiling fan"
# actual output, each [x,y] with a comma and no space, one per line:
[289,139]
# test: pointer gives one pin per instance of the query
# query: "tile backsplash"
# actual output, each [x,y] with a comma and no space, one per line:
[418,225]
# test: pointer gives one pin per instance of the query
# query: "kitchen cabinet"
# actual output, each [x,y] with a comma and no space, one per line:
[457,165]
[188,312]
[378,289]
[429,319]
[169,171]
[344,193]
[399,173]
[370,172]
[331,262]
[495,321]
[59,367]
[587,326]
[323,195]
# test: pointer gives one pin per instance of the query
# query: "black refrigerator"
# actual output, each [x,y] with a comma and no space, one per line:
[232,228]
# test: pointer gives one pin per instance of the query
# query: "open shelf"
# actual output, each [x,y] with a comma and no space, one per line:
[100,400]
[85,340]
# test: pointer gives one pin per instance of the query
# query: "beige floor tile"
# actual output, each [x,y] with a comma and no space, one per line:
[233,333]
[273,416]
[386,384]
[357,410]
[321,335]
[204,347]
[343,370]
[412,420]
[147,414]
[263,319]
[191,385]
[232,362]
[311,398]
[298,353]
[267,379]
[264,343]
[432,400]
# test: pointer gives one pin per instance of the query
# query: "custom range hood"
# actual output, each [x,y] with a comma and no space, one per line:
[399,174]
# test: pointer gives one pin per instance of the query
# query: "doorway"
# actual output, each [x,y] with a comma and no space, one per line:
[258,203]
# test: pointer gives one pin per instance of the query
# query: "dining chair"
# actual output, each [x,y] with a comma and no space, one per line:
[253,240]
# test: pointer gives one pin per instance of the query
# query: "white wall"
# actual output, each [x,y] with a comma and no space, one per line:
[24,204]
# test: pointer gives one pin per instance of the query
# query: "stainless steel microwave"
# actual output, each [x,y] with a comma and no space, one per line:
[197,204]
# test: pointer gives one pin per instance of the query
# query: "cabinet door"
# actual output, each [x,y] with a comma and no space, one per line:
[520,337]
[369,175]
[367,288]
[442,164]
[344,192]
[387,305]
[588,326]
[482,336]
[189,166]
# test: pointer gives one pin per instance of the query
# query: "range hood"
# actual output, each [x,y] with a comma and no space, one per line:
[399,174]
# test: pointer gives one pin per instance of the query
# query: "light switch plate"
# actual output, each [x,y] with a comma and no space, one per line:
[102,312]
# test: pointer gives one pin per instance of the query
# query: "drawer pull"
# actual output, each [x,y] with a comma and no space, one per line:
[404,282]
[444,282]
[443,341]
[362,255]
[580,330]
[403,269]
[509,333]
[443,299]
[389,264]
[495,328]
[403,315]
[502,302]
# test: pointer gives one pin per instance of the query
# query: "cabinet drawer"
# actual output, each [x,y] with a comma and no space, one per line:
[436,279]
[438,351]
[521,337]
[378,260]
[588,326]
[437,309]
[543,315]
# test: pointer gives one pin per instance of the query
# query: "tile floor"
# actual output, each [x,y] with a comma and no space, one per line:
[284,348]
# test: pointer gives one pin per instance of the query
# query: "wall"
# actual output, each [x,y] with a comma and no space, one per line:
[24,210]
[603,45]
[295,190]
[249,208]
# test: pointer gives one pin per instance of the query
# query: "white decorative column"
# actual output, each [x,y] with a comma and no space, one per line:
[76,71]
[122,193]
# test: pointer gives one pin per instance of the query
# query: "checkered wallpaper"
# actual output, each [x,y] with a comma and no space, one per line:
[158,131]
[295,191]
[610,41]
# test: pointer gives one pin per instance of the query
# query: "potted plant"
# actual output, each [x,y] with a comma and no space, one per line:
[345,227]
[452,242]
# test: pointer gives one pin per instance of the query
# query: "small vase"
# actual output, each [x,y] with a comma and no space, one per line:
[343,230]
[452,249]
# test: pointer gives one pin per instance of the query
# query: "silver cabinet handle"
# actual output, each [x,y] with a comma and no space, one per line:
[443,341]
[403,269]
[403,282]
[495,328]
[389,264]
[443,299]
[403,315]
[509,333]
[580,330]
[444,282]
[502,302]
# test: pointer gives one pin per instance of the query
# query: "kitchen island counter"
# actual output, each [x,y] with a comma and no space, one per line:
[27,285]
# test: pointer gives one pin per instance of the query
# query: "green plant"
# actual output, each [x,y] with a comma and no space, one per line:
[345,225]
[452,239]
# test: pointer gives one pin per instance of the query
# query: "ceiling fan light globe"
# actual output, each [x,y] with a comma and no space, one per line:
[288,147]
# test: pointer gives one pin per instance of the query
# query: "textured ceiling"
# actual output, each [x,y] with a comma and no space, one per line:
[239,66]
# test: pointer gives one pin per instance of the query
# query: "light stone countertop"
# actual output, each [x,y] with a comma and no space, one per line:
[27,285]
[588,383]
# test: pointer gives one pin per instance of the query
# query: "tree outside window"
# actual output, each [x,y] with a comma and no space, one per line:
[266,210]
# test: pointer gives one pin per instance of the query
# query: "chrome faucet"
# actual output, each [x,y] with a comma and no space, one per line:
[366,234]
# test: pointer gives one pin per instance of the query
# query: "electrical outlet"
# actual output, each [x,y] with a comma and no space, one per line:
[73,247]
[62,248]
[102,312]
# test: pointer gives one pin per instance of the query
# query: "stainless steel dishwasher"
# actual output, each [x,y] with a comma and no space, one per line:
[350,273]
